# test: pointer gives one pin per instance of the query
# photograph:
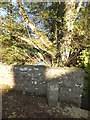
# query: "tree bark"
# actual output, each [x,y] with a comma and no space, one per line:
[70,17]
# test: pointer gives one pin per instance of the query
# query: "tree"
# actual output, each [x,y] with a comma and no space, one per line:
[51,31]
[71,13]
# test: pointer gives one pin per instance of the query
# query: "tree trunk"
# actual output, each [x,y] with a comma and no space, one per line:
[60,13]
[70,17]
[59,31]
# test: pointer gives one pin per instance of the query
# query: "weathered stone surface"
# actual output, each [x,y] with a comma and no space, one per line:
[39,79]
[30,79]
[52,93]
[71,90]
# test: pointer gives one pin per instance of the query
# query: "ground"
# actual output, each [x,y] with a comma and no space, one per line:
[20,105]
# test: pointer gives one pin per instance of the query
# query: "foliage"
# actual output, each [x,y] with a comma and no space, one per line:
[51,24]
[80,45]
[10,51]
[83,30]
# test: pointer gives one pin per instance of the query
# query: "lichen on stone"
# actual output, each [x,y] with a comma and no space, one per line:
[35,68]
[39,74]
[35,83]
[29,69]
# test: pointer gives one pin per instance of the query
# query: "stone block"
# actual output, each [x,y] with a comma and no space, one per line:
[71,91]
[66,82]
[52,93]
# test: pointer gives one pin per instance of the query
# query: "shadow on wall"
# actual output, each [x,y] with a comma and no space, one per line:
[41,80]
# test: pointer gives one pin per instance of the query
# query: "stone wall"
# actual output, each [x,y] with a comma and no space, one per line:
[58,84]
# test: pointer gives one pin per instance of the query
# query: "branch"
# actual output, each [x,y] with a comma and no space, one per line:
[31,41]
[41,36]
[79,6]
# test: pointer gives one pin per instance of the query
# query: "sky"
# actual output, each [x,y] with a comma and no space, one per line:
[2,12]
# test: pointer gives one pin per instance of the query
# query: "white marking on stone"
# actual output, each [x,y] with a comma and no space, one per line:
[44,82]
[29,69]
[39,74]
[21,69]
[76,85]
[80,95]
[32,82]
[35,68]
[29,74]
[35,83]
[81,86]
[25,68]
[74,76]
[60,82]
[36,88]
[32,78]
[70,89]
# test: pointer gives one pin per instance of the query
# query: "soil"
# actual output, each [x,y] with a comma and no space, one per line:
[16,104]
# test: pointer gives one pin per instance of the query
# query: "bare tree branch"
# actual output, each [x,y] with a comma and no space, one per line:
[31,41]
[41,36]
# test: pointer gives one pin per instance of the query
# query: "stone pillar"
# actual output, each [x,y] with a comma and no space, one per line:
[52,93]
